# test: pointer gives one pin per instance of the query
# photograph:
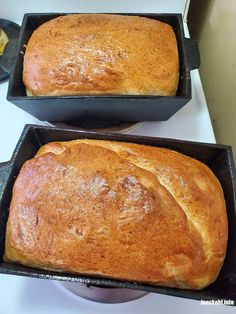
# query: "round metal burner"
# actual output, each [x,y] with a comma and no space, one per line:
[101,126]
[102,294]
[93,124]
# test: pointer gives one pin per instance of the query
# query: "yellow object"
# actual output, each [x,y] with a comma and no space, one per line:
[3,41]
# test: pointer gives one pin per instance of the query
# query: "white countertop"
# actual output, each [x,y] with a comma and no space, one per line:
[25,295]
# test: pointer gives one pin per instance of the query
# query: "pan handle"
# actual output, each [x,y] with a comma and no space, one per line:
[192,53]
[5,169]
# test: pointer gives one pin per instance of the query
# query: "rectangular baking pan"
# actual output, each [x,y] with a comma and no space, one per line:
[102,107]
[218,157]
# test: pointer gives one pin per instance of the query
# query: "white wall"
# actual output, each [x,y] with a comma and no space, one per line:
[217,42]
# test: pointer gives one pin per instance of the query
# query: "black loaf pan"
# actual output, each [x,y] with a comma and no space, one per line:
[102,107]
[218,157]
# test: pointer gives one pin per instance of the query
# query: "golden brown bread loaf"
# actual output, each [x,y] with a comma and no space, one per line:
[118,210]
[101,54]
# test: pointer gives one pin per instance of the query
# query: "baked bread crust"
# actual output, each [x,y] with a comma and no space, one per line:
[101,54]
[118,210]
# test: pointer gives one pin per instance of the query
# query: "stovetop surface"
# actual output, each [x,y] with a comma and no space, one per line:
[26,296]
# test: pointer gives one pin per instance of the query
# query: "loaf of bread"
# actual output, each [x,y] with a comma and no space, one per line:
[101,54]
[118,210]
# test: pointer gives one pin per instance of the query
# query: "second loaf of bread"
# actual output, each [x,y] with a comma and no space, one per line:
[101,54]
[118,210]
